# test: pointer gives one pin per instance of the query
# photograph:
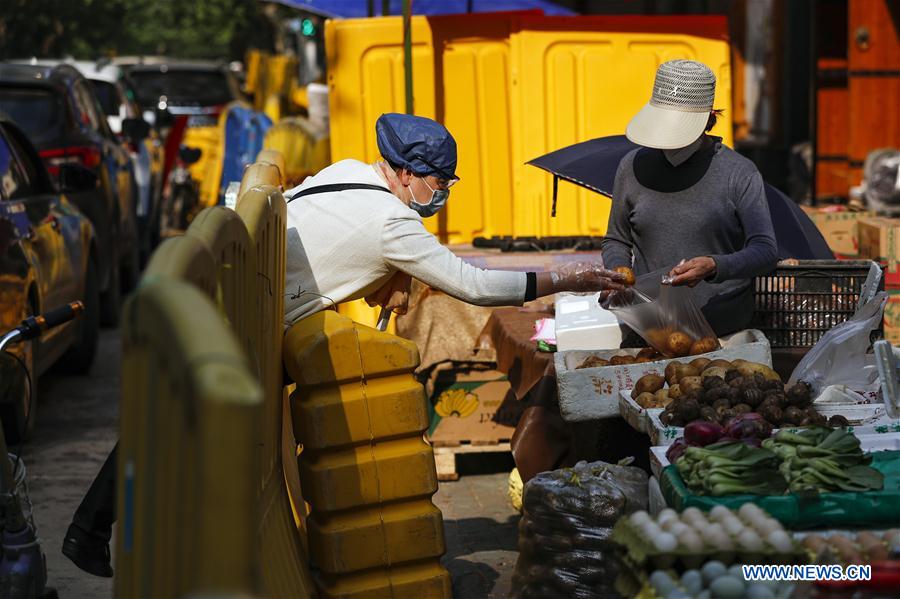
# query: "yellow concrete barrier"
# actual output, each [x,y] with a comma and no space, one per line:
[190,411]
[366,469]
[235,262]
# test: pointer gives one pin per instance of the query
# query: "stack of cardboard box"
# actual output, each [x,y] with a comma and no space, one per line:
[879,239]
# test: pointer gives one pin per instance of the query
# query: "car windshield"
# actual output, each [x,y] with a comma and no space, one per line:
[201,87]
[38,112]
[107,96]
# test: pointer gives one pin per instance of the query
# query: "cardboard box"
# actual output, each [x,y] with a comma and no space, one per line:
[838,226]
[593,393]
[878,240]
[475,407]
[892,318]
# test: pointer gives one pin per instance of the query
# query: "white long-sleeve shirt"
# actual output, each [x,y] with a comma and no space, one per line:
[345,245]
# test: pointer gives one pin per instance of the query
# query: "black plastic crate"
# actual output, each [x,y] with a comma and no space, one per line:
[796,304]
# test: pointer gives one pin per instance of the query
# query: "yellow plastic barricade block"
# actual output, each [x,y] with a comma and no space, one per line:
[190,412]
[365,467]
[532,85]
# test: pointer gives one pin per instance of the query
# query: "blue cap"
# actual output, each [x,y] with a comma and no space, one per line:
[422,145]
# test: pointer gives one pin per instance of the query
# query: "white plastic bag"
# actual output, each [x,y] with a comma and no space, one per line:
[842,357]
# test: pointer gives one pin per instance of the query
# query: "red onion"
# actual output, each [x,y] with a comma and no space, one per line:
[702,433]
[676,450]
[748,425]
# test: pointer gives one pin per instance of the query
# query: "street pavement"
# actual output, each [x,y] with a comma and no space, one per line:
[77,426]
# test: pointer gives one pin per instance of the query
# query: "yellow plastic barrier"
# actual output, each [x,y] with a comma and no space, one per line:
[366,469]
[531,85]
[190,407]
[237,259]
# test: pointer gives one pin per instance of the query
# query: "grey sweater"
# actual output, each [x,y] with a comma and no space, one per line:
[713,205]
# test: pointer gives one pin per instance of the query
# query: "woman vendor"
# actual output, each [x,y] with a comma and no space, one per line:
[687,204]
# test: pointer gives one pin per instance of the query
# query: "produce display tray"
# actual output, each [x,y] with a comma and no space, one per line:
[872,509]
[869,443]
[593,393]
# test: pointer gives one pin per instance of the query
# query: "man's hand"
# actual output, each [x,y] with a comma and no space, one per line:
[693,271]
[393,295]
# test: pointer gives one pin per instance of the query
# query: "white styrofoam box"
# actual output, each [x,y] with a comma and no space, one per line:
[582,324]
[633,413]
[655,500]
[593,393]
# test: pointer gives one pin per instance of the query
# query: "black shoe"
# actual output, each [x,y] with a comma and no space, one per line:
[87,552]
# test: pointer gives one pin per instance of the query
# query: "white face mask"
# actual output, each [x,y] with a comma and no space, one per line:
[677,156]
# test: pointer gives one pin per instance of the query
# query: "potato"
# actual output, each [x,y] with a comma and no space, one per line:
[679,344]
[646,400]
[621,360]
[714,371]
[700,363]
[662,398]
[687,383]
[629,275]
[657,338]
[593,362]
[648,352]
[671,372]
[719,364]
[686,370]
[748,369]
[675,392]
[705,345]
[649,383]
[642,360]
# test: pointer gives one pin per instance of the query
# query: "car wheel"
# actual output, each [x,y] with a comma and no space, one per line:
[111,299]
[19,414]
[79,358]
[131,269]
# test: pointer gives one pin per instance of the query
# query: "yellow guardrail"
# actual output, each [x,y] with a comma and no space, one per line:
[235,529]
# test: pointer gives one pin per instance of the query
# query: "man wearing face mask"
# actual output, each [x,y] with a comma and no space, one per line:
[685,199]
[355,230]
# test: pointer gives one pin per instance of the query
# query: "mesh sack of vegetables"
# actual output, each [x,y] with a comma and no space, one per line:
[568,515]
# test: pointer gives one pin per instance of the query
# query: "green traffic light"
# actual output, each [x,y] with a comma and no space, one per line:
[308,28]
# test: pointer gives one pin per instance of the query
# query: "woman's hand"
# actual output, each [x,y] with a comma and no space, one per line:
[693,271]
[393,295]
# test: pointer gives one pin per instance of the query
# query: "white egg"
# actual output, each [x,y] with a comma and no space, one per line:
[750,541]
[638,518]
[650,529]
[690,541]
[719,512]
[722,542]
[675,527]
[751,512]
[733,526]
[665,542]
[665,515]
[780,540]
[712,530]
[767,526]
[690,514]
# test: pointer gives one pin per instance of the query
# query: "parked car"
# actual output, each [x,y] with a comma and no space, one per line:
[199,89]
[145,145]
[58,109]
[48,257]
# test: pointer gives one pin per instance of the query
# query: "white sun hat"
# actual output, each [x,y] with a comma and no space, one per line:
[679,108]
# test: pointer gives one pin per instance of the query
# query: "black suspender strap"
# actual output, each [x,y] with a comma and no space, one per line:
[336,187]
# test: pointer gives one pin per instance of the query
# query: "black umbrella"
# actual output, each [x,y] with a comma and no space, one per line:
[593,164]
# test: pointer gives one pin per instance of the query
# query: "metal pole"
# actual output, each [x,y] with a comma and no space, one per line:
[370,5]
[385,7]
[407,54]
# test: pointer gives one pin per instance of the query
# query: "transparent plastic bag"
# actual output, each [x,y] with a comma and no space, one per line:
[568,515]
[665,316]
[842,356]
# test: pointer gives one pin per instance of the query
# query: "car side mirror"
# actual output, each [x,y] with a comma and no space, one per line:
[135,129]
[189,155]
[74,178]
